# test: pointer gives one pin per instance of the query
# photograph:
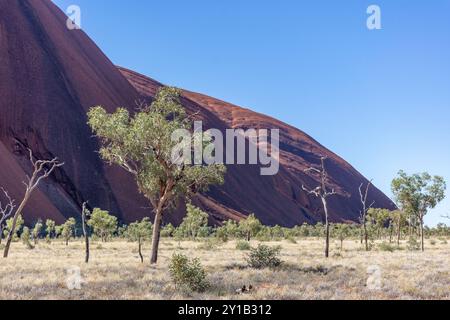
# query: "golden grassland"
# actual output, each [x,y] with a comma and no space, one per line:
[115,272]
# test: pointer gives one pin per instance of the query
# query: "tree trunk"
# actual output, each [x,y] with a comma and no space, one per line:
[391,231]
[422,233]
[85,233]
[399,232]
[366,236]
[140,250]
[156,236]
[13,227]
[327,224]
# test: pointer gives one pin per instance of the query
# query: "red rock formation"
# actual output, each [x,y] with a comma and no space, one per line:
[49,78]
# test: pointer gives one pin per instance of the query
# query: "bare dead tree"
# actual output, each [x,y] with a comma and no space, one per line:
[6,211]
[85,213]
[42,169]
[322,192]
[363,218]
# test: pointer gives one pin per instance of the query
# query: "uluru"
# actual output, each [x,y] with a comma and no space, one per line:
[51,76]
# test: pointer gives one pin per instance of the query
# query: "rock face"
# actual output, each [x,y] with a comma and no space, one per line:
[49,78]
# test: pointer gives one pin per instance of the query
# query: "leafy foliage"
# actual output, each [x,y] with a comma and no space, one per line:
[264,257]
[187,273]
[103,224]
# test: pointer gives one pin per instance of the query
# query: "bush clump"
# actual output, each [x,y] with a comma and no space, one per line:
[386,247]
[264,257]
[188,274]
[243,245]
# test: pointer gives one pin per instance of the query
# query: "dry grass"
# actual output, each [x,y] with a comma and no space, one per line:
[115,272]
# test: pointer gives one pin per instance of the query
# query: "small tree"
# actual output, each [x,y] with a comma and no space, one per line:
[68,230]
[342,232]
[42,169]
[194,221]
[37,231]
[250,227]
[144,145]
[364,193]
[418,193]
[50,226]
[9,224]
[25,237]
[322,192]
[140,231]
[6,211]
[103,224]
[167,231]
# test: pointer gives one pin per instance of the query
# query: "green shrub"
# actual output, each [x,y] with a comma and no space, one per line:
[188,274]
[25,237]
[243,245]
[386,247]
[413,244]
[264,257]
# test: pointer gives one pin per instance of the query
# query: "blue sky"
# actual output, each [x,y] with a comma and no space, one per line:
[380,99]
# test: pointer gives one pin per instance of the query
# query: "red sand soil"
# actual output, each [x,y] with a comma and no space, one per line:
[51,76]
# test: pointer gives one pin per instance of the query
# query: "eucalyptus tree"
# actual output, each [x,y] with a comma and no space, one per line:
[143,144]
[418,193]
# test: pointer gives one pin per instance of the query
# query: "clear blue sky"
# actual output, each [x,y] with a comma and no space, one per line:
[380,99]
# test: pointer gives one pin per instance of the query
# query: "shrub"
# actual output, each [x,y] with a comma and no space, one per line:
[187,273]
[209,245]
[243,245]
[386,247]
[433,242]
[25,237]
[264,257]
[413,244]
[167,231]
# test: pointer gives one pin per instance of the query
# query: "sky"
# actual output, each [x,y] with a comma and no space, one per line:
[378,98]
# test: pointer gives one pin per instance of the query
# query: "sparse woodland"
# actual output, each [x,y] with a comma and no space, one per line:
[235,259]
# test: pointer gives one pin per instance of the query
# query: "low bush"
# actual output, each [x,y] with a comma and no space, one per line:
[243,245]
[264,257]
[386,247]
[188,274]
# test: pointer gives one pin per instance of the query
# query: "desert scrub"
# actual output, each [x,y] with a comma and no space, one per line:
[413,244]
[264,257]
[384,246]
[188,274]
[243,245]
[209,245]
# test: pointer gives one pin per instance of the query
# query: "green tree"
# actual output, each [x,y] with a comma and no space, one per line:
[139,231]
[25,237]
[342,232]
[103,224]
[418,193]
[167,231]
[250,226]
[68,229]
[50,226]
[144,145]
[194,221]
[18,227]
[37,231]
